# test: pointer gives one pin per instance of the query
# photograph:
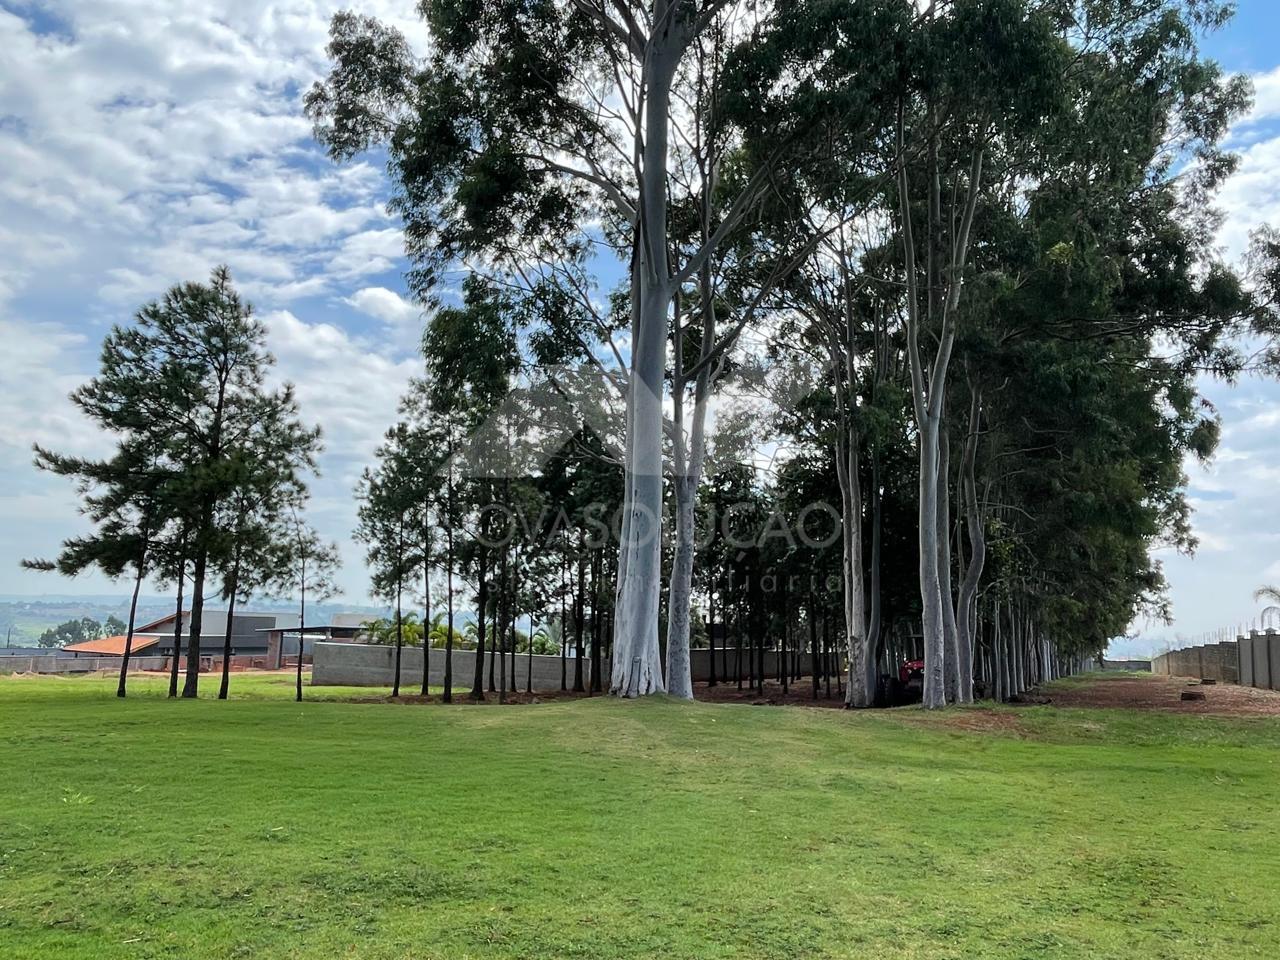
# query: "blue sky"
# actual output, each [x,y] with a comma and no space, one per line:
[143,141]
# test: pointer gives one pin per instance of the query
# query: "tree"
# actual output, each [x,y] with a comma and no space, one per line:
[127,498]
[1267,594]
[389,495]
[189,377]
[307,564]
[521,129]
[266,471]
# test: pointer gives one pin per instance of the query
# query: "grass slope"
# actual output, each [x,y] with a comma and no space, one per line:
[598,829]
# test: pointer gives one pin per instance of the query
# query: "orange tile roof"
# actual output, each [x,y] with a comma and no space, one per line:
[112,646]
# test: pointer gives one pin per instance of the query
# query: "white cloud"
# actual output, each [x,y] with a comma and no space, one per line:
[142,143]
[366,253]
[387,306]
[1266,96]
[1251,197]
[352,392]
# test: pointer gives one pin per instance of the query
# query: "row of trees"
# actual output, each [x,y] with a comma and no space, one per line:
[205,486]
[987,225]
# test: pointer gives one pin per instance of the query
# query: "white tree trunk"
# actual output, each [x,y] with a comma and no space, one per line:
[637,660]
[930,591]
[679,593]
[950,632]
[637,663]
[855,603]
[968,600]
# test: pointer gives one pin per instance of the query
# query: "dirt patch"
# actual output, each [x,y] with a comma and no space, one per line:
[978,720]
[797,694]
[1165,693]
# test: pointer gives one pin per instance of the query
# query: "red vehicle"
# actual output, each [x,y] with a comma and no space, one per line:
[911,681]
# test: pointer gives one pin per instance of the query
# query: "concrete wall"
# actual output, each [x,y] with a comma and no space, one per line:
[53,664]
[1251,661]
[49,664]
[1261,663]
[369,665]
[1214,661]
[1227,657]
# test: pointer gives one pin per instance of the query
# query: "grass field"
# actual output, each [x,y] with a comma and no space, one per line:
[262,828]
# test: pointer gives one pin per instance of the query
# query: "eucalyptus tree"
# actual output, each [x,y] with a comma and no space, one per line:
[472,356]
[1106,260]
[524,128]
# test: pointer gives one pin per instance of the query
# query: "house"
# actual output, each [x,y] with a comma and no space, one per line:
[282,641]
[156,639]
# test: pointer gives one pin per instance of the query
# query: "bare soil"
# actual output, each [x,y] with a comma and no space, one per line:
[1145,692]
[798,694]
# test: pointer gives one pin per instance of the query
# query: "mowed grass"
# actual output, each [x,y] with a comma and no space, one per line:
[262,828]
[255,685]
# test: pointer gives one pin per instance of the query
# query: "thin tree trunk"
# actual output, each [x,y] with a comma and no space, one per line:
[133,613]
[564,625]
[448,641]
[395,689]
[177,625]
[191,687]
[813,645]
[500,629]
[597,622]
[950,631]
[302,629]
[711,634]
[482,600]
[225,687]
[737,645]
[966,614]
[426,602]
[579,615]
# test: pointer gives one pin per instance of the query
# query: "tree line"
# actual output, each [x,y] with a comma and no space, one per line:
[692,267]
[987,224]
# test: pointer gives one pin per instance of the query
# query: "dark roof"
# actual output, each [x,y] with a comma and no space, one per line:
[311,626]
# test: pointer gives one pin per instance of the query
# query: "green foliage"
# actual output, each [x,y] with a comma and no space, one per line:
[77,631]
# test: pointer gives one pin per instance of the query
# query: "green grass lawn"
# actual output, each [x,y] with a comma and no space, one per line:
[276,685]
[262,828]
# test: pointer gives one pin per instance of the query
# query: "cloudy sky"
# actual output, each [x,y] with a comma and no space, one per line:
[144,141]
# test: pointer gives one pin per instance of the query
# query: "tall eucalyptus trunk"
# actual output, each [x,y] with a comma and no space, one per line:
[952,677]
[637,663]
[482,600]
[967,604]
[939,301]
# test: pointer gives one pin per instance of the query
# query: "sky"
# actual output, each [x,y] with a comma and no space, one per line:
[142,142]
